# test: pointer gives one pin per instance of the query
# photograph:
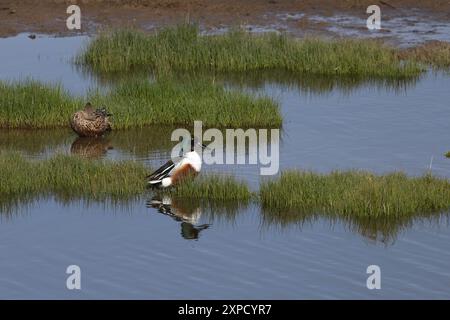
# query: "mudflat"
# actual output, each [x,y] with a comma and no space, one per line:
[49,16]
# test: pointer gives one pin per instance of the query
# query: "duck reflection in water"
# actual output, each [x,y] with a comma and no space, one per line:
[182,211]
[92,148]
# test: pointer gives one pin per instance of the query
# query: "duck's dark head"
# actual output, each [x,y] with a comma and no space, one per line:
[103,112]
[88,107]
[195,142]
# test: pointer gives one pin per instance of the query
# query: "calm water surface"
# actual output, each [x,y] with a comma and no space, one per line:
[132,250]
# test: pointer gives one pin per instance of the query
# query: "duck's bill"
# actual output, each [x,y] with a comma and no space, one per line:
[202,145]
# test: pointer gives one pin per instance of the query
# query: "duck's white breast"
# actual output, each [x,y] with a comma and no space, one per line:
[194,160]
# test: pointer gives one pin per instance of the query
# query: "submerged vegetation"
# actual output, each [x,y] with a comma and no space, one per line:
[183,48]
[32,104]
[447,154]
[354,194]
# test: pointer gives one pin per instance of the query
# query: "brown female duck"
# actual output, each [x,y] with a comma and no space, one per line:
[90,122]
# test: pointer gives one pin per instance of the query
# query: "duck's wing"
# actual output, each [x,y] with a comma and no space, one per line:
[163,172]
[88,115]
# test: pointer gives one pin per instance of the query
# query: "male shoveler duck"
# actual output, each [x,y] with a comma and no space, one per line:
[172,172]
[90,122]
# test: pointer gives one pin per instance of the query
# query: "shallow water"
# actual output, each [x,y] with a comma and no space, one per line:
[407,29]
[403,28]
[138,253]
[133,251]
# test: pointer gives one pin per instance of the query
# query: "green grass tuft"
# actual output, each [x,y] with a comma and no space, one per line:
[31,104]
[295,194]
[433,53]
[69,177]
[140,103]
[355,194]
[212,187]
[73,177]
[182,48]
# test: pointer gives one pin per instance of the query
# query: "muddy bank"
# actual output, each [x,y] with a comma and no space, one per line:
[298,17]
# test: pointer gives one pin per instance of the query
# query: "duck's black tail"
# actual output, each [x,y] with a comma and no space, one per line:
[155,179]
[152,184]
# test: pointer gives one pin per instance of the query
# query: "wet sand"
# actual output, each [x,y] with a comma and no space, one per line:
[49,16]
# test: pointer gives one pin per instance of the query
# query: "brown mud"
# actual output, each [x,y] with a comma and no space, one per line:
[49,16]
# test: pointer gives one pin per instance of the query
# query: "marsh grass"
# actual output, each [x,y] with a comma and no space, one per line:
[140,103]
[183,48]
[290,198]
[69,177]
[31,104]
[433,53]
[212,187]
[354,194]
[218,197]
